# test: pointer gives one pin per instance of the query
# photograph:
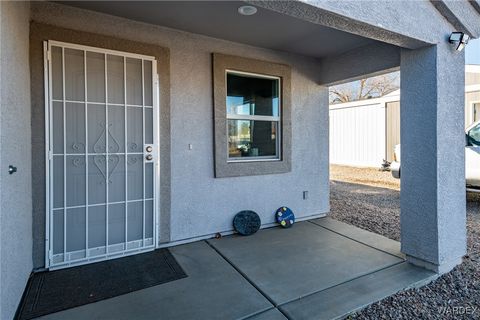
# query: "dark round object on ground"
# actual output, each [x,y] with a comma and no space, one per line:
[285,217]
[246,222]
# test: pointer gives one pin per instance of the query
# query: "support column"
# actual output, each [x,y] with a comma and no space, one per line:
[433,205]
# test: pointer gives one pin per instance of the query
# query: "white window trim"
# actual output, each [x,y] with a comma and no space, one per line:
[277,119]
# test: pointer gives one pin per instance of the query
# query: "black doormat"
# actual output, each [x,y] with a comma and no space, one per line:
[52,291]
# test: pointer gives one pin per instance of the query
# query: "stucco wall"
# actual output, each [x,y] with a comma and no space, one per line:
[432,197]
[15,189]
[201,204]
[421,23]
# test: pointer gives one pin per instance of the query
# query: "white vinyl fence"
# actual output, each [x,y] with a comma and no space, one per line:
[364,133]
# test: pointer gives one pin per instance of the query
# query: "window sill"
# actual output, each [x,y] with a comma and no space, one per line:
[252,160]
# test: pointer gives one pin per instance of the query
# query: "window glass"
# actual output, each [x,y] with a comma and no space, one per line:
[474,135]
[250,138]
[250,95]
[253,116]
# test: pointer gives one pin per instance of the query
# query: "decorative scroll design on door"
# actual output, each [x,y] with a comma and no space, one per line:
[132,160]
[77,146]
[100,146]
[77,162]
[113,161]
[133,146]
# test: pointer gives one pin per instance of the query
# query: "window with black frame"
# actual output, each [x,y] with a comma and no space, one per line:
[253,116]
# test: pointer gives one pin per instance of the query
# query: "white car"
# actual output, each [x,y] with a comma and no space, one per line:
[472,158]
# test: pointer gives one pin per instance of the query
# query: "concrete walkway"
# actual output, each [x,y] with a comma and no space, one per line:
[321,269]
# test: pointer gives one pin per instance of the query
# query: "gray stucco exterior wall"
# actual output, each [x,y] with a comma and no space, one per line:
[202,205]
[433,227]
[379,20]
[375,59]
[15,189]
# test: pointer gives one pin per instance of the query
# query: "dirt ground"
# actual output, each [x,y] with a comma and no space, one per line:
[368,176]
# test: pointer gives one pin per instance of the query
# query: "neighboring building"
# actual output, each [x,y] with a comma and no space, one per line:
[132,126]
[472,94]
[364,133]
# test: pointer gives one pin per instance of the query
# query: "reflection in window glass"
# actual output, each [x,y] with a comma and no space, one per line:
[247,138]
[474,135]
[250,95]
[253,114]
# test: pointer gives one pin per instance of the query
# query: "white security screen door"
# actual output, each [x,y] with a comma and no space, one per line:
[102,153]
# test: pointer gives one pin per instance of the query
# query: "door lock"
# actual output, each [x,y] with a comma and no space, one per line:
[149,149]
[149,157]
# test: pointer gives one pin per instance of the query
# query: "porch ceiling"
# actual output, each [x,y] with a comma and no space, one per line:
[220,19]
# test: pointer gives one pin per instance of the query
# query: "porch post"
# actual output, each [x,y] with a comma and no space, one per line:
[433,214]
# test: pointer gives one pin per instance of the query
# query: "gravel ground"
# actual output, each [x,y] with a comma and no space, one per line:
[377,209]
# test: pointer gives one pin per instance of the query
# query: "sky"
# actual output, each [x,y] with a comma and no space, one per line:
[472,52]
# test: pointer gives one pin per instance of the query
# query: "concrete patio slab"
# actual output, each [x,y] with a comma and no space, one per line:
[339,301]
[322,269]
[368,238]
[272,314]
[288,264]
[212,290]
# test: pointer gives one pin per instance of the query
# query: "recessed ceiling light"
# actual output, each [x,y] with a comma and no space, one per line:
[247,10]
